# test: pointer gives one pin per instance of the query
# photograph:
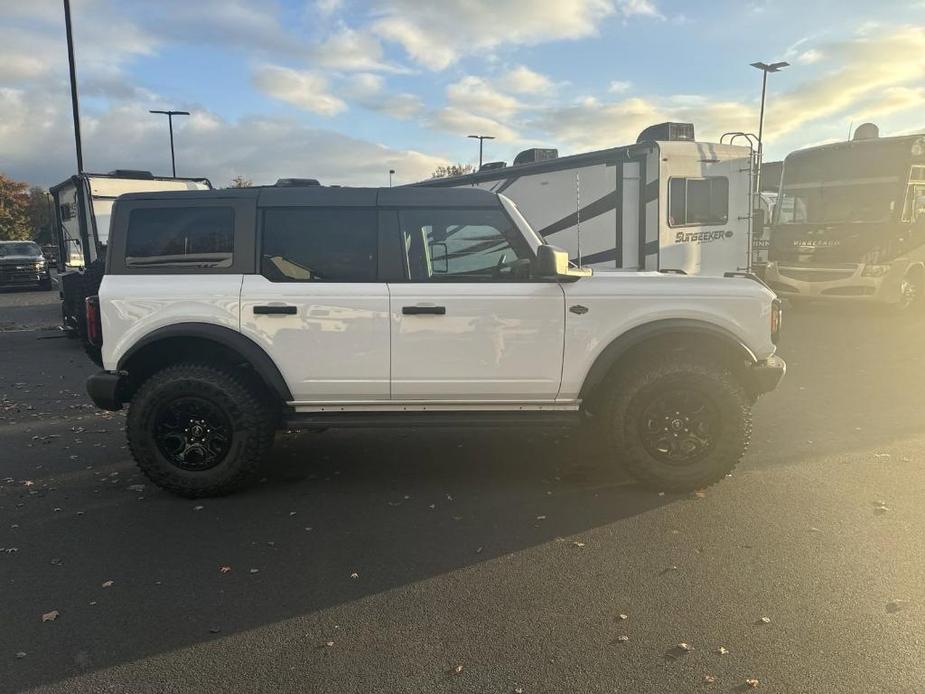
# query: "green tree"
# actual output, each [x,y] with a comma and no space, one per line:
[452,170]
[14,210]
[41,214]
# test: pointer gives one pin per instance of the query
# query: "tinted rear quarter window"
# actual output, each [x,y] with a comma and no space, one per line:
[319,244]
[187,237]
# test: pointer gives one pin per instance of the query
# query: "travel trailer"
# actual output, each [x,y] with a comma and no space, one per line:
[665,203]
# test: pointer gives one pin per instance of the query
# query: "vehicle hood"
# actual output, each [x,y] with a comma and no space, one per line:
[20,259]
[667,285]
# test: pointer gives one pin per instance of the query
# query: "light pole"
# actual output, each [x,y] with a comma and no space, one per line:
[73,72]
[391,171]
[765,69]
[170,115]
[481,139]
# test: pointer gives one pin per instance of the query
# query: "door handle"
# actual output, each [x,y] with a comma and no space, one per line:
[424,310]
[275,310]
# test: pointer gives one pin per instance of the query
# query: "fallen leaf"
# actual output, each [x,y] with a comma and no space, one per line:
[700,494]
[198,508]
[578,543]
[20,654]
[224,569]
[764,620]
[722,650]
[136,487]
[458,669]
[709,679]
[329,644]
[354,575]
[686,647]
[50,616]
[621,617]
[623,638]
[107,584]
[752,683]
[214,630]
[518,690]
[541,517]
[255,571]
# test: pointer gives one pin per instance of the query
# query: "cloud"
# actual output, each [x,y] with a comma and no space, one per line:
[619,86]
[260,148]
[436,35]
[462,123]
[856,79]
[327,7]
[523,80]
[351,50]
[304,89]
[475,94]
[369,91]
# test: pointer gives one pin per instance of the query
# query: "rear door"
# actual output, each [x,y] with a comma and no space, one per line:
[317,307]
[470,325]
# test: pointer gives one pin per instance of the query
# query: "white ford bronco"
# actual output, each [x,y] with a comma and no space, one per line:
[226,315]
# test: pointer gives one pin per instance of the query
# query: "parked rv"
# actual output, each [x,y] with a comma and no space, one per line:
[666,202]
[850,221]
[83,206]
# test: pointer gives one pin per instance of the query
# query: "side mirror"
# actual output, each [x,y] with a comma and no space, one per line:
[553,263]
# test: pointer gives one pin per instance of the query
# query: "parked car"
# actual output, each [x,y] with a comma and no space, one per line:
[225,315]
[22,264]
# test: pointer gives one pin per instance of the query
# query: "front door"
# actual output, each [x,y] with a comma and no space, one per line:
[317,307]
[470,325]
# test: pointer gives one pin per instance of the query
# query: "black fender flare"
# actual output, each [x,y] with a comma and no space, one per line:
[249,350]
[621,344]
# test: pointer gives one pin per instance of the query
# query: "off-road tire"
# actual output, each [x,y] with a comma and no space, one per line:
[631,389]
[247,408]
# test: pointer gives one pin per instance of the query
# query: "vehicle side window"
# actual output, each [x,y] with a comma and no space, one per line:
[319,244]
[190,237]
[698,201]
[463,245]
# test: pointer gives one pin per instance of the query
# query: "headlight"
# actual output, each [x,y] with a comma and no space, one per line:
[39,264]
[875,270]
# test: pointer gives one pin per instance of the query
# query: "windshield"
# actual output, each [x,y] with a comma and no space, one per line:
[7,249]
[843,202]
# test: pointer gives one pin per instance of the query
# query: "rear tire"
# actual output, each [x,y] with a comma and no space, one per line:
[196,430]
[912,292]
[677,421]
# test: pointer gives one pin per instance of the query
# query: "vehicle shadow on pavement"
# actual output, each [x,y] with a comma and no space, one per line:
[340,516]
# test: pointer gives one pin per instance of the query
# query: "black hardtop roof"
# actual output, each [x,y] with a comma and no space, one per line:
[309,196]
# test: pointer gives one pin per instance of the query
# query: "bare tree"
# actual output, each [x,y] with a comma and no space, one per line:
[241,182]
[452,170]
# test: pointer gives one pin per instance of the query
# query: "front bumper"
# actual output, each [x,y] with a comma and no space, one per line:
[766,374]
[837,283]
[103,389]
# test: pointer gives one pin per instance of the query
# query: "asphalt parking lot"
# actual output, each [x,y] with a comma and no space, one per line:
[473,561]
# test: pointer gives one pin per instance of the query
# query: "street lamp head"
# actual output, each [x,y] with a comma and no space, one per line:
[391,171]
[773,67]
[171,113]
[481,137]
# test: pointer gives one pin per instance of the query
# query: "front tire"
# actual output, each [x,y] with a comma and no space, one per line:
[199,431]
[912,291]
[677,421]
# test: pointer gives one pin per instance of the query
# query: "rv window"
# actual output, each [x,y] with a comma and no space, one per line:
[698,201]
[188,237]
[463,245]
[319,244]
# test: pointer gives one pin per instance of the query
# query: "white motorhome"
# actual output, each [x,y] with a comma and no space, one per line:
[665,203]
[83,206]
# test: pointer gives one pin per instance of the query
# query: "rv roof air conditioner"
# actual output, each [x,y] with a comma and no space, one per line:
[131,173]
[491,165]
[667,132]
[531,156]
[297,182]
[866,131]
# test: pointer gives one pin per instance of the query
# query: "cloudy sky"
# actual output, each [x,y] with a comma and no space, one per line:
[344,90]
